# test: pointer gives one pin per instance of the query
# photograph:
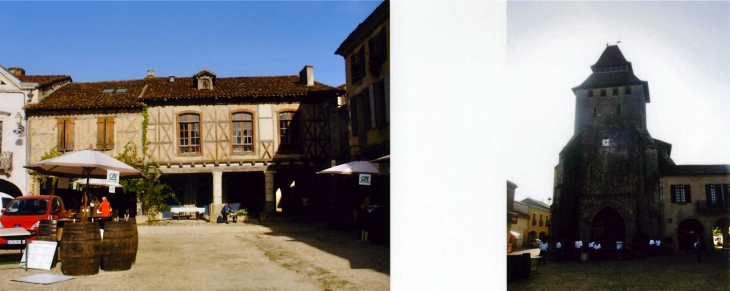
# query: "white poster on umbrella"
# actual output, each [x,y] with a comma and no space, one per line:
[365,179]
[112,176]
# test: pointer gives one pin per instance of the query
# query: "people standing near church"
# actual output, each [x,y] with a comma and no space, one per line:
[105,207]
[659,249]
[596,252]
[543,252]
[590,248]
[559,247]
[698,248]
[578,251]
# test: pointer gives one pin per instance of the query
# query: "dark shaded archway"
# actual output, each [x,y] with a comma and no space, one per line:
[608,227]
[9,188]
[687,231]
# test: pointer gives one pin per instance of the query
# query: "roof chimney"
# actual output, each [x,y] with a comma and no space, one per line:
[306,76]
[171,79]
[150,73]
[18,72]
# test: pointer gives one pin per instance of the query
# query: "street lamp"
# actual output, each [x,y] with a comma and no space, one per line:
[19,121]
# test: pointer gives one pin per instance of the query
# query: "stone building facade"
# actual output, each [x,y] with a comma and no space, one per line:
[367,66]
[217,140]
[538,220]
[696,201]
[607,178]
[614,182]
[16,90]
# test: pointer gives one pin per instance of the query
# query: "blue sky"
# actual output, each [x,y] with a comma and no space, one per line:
[95,41]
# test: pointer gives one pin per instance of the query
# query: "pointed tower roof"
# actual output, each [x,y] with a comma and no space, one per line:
[611,56]
[613,70]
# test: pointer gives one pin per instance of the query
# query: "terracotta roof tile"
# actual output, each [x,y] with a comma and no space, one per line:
[42,79]
[270,86]
[686,170]
[91,95]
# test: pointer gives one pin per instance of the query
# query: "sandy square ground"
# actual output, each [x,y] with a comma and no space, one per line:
[197,255]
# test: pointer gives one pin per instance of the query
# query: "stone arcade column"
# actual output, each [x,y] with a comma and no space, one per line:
[270,205]
[217,205]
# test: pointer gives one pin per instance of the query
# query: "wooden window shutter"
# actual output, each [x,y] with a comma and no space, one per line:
[69,131]
[687,194]
[708,196]
[100,132]
[674,193]
[109,142]
[60,146]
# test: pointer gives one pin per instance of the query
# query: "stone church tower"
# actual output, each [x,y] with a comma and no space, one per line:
[607,179]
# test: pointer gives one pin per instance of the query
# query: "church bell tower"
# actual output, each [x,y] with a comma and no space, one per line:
[607,179]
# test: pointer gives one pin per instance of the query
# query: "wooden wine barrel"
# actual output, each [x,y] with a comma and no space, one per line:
[81,249]
[48,231]
[119,246]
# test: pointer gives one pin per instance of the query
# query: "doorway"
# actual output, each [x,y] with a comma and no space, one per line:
[608,227]
[687,231]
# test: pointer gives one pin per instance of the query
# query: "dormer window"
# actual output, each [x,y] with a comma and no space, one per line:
[603,92]
[204,80]
[627,91]
[204,84]
[615,92]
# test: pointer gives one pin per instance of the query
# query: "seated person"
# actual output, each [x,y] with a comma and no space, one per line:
[228,213]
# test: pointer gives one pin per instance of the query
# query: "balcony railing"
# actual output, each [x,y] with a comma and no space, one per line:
[716,208]
[6,162]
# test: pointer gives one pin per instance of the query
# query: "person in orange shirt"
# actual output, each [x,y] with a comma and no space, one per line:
[105,207]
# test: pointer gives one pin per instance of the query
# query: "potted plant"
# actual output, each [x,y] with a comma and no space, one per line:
[243,215]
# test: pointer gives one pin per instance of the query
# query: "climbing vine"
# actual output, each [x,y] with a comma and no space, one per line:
[151,193]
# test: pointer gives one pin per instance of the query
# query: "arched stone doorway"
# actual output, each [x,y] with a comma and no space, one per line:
[531,236]
[608,227]
[9,188]
[723,224]
[687,231]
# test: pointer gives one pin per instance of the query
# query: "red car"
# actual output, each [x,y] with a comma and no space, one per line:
[27,212]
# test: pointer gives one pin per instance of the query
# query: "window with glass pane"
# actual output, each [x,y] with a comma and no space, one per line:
[288,131]
[189,133]
[242,132]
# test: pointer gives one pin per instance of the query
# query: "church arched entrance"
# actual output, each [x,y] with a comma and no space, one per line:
[687,231]
[721,238]
[9,188]
[608,227]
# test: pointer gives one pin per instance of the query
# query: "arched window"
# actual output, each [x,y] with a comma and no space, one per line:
[189,133]
[242,136]
[590,93]
[288,131]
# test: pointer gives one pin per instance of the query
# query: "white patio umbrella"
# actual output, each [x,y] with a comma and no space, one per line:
[356,167]
[84,164]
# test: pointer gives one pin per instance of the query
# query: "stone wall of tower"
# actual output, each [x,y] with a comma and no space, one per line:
[623,110]
[621,174]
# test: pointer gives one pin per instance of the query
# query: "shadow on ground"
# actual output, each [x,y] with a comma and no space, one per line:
[341,243]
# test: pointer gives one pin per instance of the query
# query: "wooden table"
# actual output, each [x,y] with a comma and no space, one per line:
[179,210]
